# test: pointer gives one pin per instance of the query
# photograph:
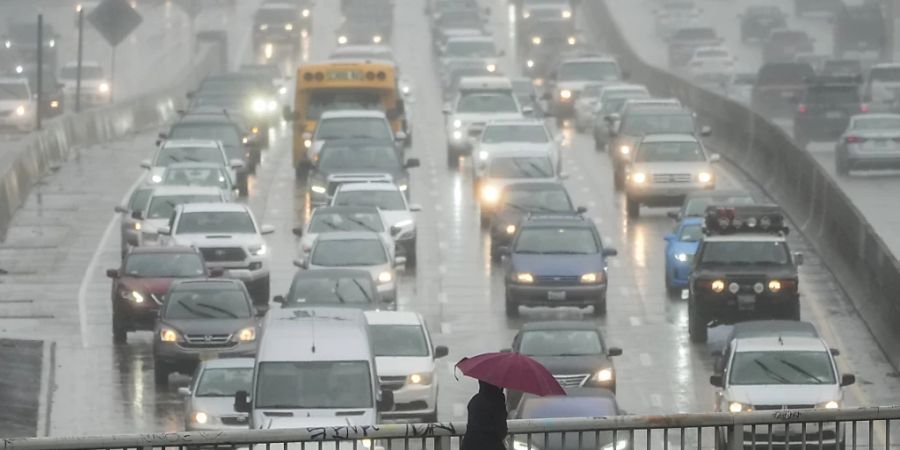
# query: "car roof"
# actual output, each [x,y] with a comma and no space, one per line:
[17,80]
[577,392]
[142,250]
[527,152]
[779,343]
[349,235]
[377,186]
[875,116]
[345,209]
[485,82]
[560,325]
[393,318]
[170,189]
[191,143]
[214,207]
[672,109]
[589,59]
[764,328]
[207,283]
[471,38]
[523,121]
[195,165]
[314,334]
[228,363]
[669,137]
[204,119]
[535,186]
[351,113]
[892,65]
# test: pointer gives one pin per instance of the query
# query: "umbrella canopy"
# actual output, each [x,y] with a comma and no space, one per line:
[513,371]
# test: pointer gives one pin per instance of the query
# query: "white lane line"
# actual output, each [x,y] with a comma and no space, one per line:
[646,360]
[92,265]
[634,321]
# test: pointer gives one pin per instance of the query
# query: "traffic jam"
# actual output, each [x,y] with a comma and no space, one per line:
[459,176]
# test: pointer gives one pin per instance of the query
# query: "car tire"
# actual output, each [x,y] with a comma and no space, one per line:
[600,308]
[697,325]
[160,375]
[618,180]
[452,160]
[411,256]
[511,307]
[633,207]
[119,331]
[259,291]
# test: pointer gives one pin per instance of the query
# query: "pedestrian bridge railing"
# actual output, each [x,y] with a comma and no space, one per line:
[782,429]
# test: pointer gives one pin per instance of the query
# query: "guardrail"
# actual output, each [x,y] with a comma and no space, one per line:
[837,229]
[868,428]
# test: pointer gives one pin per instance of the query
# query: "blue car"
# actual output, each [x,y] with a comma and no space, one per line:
[681,246]
[555,261]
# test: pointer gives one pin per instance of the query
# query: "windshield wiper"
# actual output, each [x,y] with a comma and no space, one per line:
[771,372]
[194,311]
[174,158]
[221,310]
[362,224]
[362,289]
[338,294]
[801,370]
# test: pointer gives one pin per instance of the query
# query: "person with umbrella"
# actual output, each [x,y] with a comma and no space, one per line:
[486,424]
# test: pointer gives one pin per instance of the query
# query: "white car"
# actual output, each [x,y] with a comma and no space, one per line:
[189,150]
[471,48]
[95,88]
[610,101]
[675,15]
[200,174]
[360,250]
[501,137]
[162,203]
[714,64]
[399,214]
[17,105]
[337,219]
[405,359]
[229,237]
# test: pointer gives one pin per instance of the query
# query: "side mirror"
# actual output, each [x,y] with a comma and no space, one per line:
[669,237]
[715,157]
[716,380]
[834,352]
[164,231]
[609,251]
[387,400]
[412,163]
[145,164]
[614,351]
[298,231]
[138,215]
[441,351]
[705,130]
[528,110]
[261,312]
[279,299]
[112,273]
[184,391]
[236,164]
[798,258]
[848,379]
[415,208]
[580,210]
[674,215]
[242,401]
[163,136]
[447,110]
[120,209]
[563,176]
[400,136]
[266,229]
[216,273]
[301,263]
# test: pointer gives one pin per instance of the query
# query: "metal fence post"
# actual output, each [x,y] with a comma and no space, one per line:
[735,437]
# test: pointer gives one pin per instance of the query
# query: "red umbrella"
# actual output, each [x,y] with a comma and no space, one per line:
[513,371]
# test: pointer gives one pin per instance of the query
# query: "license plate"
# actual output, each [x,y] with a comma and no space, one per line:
[556,295]
[207,356]
[834,114]
[880,143]
[746,302]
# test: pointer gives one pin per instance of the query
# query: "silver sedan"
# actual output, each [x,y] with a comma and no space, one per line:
[871,141]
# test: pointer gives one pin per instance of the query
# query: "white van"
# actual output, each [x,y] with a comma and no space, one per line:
[314,367]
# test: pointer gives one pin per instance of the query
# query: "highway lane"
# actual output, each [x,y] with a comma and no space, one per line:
[59,244]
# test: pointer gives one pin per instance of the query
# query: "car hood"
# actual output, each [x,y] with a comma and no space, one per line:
[689,247]
[671,167]
[467,118]
[578,85]
[216,406]
[783,394]
[361,175]
[500,183]
[516,147]
[158,286]
[573,365]
[208,326]
[217,240]
[562,265]
[151,225]
[782,271]
[389,366]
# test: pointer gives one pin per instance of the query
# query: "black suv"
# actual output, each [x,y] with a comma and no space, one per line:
[759,20]
[859,28]
[743,270]
[778,83]
[825,108]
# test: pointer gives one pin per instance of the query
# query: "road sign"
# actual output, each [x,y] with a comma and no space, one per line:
[114,20]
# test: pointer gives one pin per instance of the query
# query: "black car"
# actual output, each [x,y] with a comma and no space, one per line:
[683,42]
[758,21]
[783,45]
[356,160]
[517,201]
[743,270]
[776,84]
[575,352]
[200,320]
[577,403]
[281,24]
[252,94]
[333,288]
[824,110]
[695,203]
[859,28]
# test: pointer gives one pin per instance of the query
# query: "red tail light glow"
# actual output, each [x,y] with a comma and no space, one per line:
[855,139]
[864,108]
[801,108]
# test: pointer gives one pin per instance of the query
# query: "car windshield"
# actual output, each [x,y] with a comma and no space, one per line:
[326,222]
[164,265]
[322,101]
[364,157]
[528,200]
[658,123]
[354,128]
[560,343]
[336,291]
[589,71]
[830,95]
[227,302]
[744,253]
[696,206]
[669,152]
[568,407]
[494,134]
[314,385]
[385,200]
[139,199]
[225,132]
[789,37]
[197,177]
[614,103]
[348,253]
[13,91]
[469,49]
[399,340]
[212,222]
[890,74]
[162,207]
[523,167]
[562,240]
[224,382]
[876,123]
[487,103]
[87,73]
[781,367]
[691,233]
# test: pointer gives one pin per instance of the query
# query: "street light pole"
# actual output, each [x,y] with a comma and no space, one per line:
[80,55]
[40,71]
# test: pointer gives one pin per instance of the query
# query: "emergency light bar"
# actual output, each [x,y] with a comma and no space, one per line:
[744,219]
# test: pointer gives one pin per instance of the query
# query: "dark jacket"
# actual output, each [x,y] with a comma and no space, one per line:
[486,425]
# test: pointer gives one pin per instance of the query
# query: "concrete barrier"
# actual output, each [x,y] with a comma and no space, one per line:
[842,235]
[24,162]
[21,363]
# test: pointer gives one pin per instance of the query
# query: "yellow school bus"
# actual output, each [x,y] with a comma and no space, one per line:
[342,85]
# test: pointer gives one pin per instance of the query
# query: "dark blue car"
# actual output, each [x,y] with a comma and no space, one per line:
[556,260]
[681,246]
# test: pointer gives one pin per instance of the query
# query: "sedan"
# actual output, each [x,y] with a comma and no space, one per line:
[714,64]
[333,287]
[356,250]
[337,219]
[209,399]
[871,141]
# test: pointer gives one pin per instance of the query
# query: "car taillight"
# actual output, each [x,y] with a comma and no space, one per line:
[896,139]
[864,108]
[801,108]
[855,139]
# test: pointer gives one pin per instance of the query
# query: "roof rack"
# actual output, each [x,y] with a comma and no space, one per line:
[721,220]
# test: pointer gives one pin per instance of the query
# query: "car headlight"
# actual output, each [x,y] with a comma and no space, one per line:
[52,43]
[639,177]
[156,178]
[406,89]
[529,63]
[523,277]
[200,417]
[510,229]
[483,155]
[774,285]
[258,105]
[20,69]
[305,12]
[403,187]
[736,407]
[717,286]
[288,27]
[385,277]
[621,444]
[366,443]
[419,378]
[572,40]
[566,14]
[264,27]
[565,94]
[681,257]
[490,194]
[307,143]
[247,334]
[831,404]
[604,375]
[342,40]
[282,90]
[525,15]
[376,39]
[258,250]
[536,40]
[457,123]
[54,104]
[704,177]
[20,110]
[7,44]
[103,88]
[137,297]
[137,226]
[271,105]
[624,149]
[491,67]
[168,335]
[593,277]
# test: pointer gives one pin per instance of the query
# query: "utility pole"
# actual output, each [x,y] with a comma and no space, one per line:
[40,71]
[80,55]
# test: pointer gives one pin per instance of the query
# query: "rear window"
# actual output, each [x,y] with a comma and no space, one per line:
[784,73]
[789,36]
[691,34]
[833,94]
[885,74]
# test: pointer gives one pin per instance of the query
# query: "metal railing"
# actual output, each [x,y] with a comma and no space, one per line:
[850,429]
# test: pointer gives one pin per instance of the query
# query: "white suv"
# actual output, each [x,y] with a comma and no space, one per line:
[229,238]
[404,356]
[17,106]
